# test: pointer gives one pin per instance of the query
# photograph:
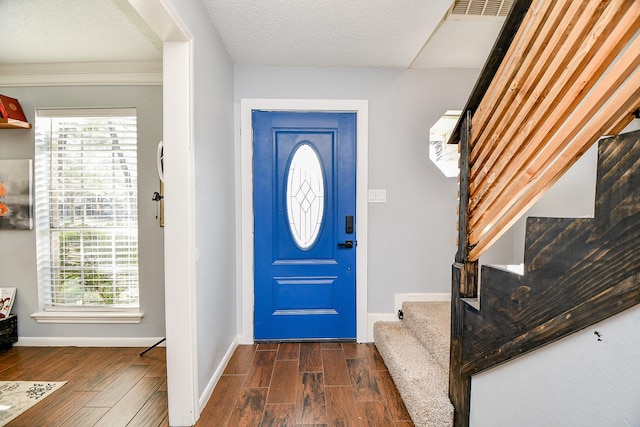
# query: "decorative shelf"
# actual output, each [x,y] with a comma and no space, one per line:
[14,124]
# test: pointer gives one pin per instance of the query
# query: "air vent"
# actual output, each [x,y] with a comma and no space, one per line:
[493,8]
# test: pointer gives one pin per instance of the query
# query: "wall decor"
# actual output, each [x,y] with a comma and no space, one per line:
[16,205]
[7,296]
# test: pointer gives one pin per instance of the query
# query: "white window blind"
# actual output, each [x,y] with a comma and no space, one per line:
[87,208]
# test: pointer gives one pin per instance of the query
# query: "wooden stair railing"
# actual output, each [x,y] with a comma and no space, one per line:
[562,75]
[576,272]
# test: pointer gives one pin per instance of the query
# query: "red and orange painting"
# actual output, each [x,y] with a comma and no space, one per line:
[16,210]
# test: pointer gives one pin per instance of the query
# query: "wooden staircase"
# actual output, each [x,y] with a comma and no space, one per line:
[530,117]
[577,272]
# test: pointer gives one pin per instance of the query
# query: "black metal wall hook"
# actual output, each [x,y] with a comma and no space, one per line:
[157,196]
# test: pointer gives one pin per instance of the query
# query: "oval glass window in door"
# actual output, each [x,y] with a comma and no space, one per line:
[305,196]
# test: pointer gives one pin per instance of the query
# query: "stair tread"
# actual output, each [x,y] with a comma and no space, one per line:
[420,379]
[430,322]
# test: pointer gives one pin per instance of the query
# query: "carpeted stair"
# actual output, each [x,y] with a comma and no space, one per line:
[416,352]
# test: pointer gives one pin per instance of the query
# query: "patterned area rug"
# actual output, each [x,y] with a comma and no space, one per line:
[18,396]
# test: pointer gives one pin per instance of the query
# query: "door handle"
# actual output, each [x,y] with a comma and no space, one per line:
[348,244]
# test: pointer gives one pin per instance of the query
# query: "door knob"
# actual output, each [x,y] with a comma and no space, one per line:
[348,244]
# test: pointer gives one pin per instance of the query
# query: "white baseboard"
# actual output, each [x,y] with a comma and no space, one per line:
[208,391]
[87,342]
[400,298]
[375,317]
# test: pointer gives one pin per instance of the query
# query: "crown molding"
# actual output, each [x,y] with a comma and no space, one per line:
[81,74]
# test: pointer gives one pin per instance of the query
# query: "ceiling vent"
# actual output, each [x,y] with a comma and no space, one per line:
[480,8]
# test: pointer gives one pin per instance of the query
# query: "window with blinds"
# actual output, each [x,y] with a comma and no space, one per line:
[87,208]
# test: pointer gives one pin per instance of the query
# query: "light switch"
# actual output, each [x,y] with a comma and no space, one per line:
[377,196]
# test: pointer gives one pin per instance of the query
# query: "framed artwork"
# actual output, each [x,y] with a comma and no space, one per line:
[16,205]
[7,296]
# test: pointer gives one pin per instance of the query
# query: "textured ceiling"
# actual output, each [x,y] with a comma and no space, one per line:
[326,33]
[45,31]
[338,33]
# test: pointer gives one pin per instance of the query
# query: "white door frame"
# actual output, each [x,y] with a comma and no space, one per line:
[246,279]
[179,211]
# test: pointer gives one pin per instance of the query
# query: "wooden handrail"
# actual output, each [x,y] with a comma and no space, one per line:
[616,113]
[502,92]
[553,111]
[546,104]
[550,70]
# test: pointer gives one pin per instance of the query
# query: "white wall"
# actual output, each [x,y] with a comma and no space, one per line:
[571,197]
[215,203]
[583,380]
[412,236]
[18,248]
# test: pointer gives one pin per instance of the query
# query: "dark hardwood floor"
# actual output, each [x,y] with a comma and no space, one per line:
[107,387]
[308,384]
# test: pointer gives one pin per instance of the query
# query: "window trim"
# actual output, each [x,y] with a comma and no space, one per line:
[84,314]
[87,316]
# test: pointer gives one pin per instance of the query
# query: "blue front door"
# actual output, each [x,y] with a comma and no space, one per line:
[304,198]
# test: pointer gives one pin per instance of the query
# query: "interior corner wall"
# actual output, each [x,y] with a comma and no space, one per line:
[214,192]
[18,247]
[411,236]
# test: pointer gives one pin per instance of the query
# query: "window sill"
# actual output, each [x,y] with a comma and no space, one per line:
[87,317]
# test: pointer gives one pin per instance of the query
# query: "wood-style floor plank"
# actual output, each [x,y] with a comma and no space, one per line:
[377,358]
[363,381]
[341,407]
[249,408]
[129,405]
[356,351]
[32,362]
[85,417]
[335,367]
[54,409]
[278,415]
[156,358]
[391,396]
[331,346]
[283,383]
[101,374]
[153,413]
[268,346]
[261,369]
[120,386]
[310,357]
[240,361]
[223,400]
[99,382]
[310,403]
[117,387]
[374,414]
[288,351]
[56,370]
